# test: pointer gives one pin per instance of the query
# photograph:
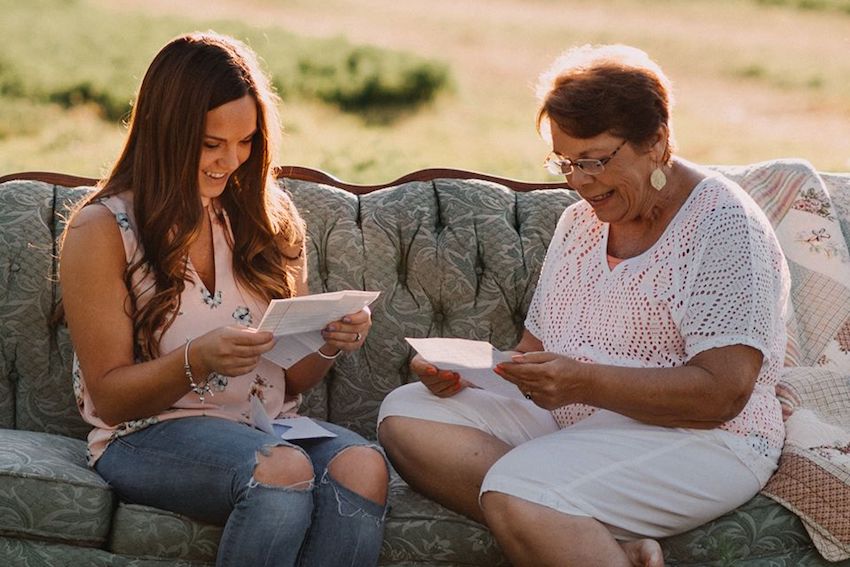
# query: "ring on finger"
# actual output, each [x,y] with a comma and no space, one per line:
[357,337]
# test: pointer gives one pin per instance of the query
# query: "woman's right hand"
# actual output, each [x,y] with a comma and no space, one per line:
[231,351]
[442,383]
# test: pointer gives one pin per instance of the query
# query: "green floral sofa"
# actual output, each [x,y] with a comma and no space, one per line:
[453,253]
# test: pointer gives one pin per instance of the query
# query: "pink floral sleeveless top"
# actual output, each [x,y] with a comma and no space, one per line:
[201,310]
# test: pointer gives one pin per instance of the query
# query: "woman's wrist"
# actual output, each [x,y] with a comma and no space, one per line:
[202,389]
[326,355]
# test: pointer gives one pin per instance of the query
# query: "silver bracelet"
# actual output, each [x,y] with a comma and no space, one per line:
[331,357]
[201,389]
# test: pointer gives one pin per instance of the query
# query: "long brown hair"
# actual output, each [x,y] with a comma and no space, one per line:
[190,76]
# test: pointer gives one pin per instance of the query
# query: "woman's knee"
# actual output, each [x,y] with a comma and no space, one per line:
[284,466]
[393,431]
[500,509]
[363,470]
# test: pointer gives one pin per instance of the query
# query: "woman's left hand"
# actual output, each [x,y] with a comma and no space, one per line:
[348,333]
[549,380]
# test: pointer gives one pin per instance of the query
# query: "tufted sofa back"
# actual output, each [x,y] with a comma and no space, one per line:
[451,256]
[452,253]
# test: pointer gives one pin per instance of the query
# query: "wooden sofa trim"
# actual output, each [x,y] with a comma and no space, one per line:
[318,176]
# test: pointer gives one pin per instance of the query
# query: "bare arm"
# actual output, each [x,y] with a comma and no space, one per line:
[712,388]
[95,299]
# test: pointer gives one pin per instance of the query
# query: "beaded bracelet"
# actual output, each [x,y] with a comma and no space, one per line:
[329,357]
[201,389]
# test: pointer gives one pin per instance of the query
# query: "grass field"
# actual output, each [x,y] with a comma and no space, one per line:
[754,79]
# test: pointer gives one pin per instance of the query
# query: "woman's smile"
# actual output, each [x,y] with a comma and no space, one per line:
[599,199]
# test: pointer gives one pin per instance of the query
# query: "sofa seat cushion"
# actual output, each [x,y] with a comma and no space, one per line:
[142,531]
[421,532]
[48,492]
[32,553]
[758,530]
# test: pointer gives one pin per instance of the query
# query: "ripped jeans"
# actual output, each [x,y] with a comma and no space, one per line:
[203,467]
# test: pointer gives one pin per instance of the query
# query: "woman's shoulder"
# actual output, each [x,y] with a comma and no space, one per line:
[579,216]
[580,211]
[95,216]
[721,193]
[104,221]
[723,211]
[718,200]
[118,202]
[93,236]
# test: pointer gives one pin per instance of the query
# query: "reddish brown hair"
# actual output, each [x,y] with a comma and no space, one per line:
[590,90]
[190,76]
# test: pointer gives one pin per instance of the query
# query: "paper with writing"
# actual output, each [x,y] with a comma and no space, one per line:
[473,360]
[298,321]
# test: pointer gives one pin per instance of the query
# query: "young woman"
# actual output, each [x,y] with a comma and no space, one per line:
[163,270]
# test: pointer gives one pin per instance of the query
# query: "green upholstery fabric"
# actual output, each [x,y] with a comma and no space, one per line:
[451,258]
[33,553]
[48,492]
[142,531]
[757,531]
[35,385]
[418,529]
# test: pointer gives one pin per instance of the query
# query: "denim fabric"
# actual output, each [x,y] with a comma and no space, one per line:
[203,467]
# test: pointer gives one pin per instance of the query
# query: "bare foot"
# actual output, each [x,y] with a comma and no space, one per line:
[643,553]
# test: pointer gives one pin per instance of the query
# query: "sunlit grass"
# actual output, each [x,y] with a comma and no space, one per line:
[753,81]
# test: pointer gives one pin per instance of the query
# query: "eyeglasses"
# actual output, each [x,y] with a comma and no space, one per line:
[559,165]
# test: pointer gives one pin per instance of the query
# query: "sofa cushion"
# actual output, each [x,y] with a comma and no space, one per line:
[451,257]
[142,531]
[757,530]
[420,532]
[48,492]
[35,364]
[31,553]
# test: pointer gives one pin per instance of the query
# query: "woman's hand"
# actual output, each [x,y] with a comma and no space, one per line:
[231,351]
[549,380]
[347,334]
[442,383]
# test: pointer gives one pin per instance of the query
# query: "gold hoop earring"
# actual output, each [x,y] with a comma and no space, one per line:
[658,179]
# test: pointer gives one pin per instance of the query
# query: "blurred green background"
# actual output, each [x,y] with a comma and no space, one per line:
[374,89]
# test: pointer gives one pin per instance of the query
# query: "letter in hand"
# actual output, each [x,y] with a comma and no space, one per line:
[442,383]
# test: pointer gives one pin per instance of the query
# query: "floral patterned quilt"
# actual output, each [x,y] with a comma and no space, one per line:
[811,216]
[813,479]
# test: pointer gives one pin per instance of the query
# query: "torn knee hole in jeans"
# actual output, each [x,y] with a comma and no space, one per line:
[347,500]
[266,451]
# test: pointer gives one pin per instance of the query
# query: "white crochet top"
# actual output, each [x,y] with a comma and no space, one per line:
[716,277]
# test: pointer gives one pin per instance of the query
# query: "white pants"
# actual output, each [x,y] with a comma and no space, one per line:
[639,480]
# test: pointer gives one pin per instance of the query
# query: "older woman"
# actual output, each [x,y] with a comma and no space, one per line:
[650,354]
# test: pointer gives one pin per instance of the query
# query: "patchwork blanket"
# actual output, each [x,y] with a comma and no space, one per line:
[813,478]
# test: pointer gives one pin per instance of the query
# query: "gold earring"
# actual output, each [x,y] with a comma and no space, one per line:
[658,179]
